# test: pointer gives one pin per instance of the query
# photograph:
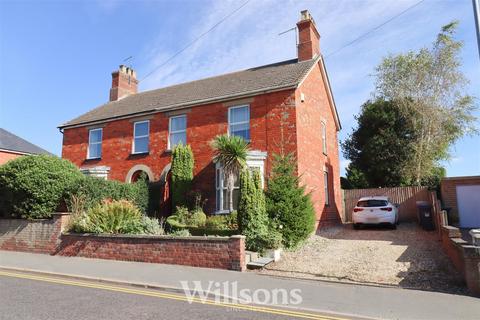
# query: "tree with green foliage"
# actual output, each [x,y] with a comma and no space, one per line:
[252,217]
[355,179]
[231,152]
[430,82]
[182,174]
[251,213]
[288,205]
[33,187]
[380,147]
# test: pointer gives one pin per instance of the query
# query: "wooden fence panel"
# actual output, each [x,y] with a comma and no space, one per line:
[406,197]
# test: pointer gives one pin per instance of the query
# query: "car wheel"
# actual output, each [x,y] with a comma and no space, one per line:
[356,226]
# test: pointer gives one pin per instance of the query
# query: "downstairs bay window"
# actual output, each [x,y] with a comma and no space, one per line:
[255,161]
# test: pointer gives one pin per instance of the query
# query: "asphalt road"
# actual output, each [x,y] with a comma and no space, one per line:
[24,298]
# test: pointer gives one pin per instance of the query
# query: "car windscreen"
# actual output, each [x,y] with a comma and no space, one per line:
[372,203]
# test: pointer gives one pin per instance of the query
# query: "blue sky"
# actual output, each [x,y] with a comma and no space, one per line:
[56,57]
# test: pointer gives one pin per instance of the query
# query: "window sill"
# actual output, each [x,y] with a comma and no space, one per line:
[221,212]
[92,159]
[140,153]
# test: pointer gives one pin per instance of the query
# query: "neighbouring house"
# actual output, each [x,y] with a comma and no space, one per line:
[282,107]
[12,146]
[461,195]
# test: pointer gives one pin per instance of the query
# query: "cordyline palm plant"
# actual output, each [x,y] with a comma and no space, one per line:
[231,153]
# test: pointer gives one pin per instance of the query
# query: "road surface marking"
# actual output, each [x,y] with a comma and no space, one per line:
[295,314]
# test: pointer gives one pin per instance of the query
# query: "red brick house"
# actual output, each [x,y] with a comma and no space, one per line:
[285,106]
[12,147]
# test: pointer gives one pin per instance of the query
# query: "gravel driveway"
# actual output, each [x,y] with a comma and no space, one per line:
[407,257]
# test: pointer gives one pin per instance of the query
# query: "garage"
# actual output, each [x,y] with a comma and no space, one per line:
[461,196]
[468,202]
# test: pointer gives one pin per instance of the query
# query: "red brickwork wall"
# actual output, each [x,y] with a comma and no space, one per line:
[40,236]
[272,126]
[7,156]
[312,161]
[448,189]
[451,249]
[212,252]
[464,255]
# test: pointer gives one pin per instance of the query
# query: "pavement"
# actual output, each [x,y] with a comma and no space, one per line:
[346,300]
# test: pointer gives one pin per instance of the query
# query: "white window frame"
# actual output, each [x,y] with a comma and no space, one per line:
[170,132]
[220,187]
[324,137]
[326,180]
[241,122]
[94,143]
[255,159]
[146,135]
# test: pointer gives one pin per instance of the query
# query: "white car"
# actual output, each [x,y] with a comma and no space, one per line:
[375,210]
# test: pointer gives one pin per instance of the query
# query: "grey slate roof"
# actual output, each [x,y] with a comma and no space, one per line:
[251,81]
[11,142]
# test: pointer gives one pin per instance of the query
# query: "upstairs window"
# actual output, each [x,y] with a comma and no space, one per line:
[324,138]
[141,131]
[239,122]
[95,143]
[177,131]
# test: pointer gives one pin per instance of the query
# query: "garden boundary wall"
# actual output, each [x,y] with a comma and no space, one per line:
[465,255]
[39,236]
[47,236]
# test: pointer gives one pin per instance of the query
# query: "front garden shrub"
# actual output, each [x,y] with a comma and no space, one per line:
[216,223]
[114,217]
[288,206]
[33,187]
[252,215]
[197,219]
[182,174]
[179,219]
[152,226]
[181,233]
[231,220]
[94,190]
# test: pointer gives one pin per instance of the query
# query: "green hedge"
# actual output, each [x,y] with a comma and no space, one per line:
[288,206]
[93,190]
[198,224]
[33,187]
[182,174]
[253,220]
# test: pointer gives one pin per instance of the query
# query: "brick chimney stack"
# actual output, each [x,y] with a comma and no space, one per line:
[124,83]
[308,37]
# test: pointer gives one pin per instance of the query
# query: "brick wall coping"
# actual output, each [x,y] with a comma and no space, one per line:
[152,237]
[461,178]
[453,232]
[61,213]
